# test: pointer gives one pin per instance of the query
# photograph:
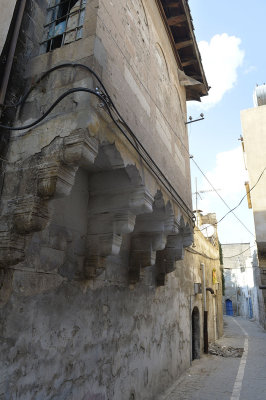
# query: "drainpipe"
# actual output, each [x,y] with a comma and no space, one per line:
[11,51]
[205,320]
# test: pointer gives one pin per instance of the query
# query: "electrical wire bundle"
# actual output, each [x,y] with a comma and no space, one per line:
[115,116]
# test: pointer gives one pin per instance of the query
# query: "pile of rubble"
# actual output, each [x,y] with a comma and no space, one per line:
[225,351]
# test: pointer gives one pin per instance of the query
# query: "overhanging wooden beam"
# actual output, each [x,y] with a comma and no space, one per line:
[178,19]
[192,94]
[184,43]
[173,4]
[186,63]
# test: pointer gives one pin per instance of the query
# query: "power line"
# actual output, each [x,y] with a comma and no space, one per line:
[250,247]
[242,223]
[243,197]
[108,102]
[201,254]
[105,98]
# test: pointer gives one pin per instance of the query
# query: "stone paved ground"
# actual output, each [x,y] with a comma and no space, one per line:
[213,377]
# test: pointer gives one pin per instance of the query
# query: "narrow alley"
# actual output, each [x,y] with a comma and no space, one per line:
[227,378]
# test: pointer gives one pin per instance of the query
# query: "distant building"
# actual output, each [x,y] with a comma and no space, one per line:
[254,146]
[239,294]
[204,260]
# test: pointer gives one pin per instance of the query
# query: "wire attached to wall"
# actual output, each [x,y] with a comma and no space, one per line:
[108,103]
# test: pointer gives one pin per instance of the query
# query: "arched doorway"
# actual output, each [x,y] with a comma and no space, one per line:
[195,334]
[229,307]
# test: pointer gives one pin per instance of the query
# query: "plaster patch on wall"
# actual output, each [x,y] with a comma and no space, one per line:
[135,88]
[180,160]
[31,283]
[163,131]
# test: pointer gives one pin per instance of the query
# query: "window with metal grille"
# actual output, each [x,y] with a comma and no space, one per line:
[64,23]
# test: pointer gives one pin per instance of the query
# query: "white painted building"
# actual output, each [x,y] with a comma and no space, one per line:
[239,294]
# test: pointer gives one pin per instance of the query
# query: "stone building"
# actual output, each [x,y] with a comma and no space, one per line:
[203,258]
[254,147]
[95,295]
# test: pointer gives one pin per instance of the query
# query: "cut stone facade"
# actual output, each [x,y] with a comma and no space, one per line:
[96,284]
[254,145]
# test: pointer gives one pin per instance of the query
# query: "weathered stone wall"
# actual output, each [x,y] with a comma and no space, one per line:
[203,251]
[97,339]
[128,46]
[93,302]
[68,339]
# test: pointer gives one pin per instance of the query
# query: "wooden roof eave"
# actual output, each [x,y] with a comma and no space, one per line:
[196,48]
[169,33]
[202,87]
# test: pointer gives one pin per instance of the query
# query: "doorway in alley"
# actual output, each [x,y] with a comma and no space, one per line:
[229,307]
[195,334]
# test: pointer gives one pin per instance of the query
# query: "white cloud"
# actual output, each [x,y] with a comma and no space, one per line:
[221,58]
[229,176]
[250,69]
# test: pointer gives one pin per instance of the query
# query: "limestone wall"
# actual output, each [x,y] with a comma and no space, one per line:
[89,339]
[203,251]
[127,45]
[96,298]
[253,128]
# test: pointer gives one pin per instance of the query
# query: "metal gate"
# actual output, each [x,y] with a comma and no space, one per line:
[250,308]
[229,307]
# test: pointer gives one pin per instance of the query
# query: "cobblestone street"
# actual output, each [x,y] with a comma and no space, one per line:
[219,378]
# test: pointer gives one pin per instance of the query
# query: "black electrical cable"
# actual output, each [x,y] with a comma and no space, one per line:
[82,66]
[81,89]
[78,65]
[201,254]
[47,112]
[250,247]
[243,196]
[242,223]
[48,72]
[233,209]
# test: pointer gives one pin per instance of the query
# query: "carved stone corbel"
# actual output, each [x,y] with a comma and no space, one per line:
[149,237]
[114,202]
[55,180]
[11,248]
[80,149]
[30,214]
[174,250]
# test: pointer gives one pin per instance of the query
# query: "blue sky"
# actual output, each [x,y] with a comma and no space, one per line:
[232,42]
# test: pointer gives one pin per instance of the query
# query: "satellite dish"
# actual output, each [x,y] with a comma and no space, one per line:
[207,230]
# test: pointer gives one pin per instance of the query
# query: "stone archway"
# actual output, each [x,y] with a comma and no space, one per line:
[195,334]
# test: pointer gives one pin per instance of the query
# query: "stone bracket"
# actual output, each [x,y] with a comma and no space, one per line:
[11,248]
[80,149]
[30,214]
[55,180]
[174,251]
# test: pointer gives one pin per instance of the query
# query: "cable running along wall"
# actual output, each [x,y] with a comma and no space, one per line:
[117,119]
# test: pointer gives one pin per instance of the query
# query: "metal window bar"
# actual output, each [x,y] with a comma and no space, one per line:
[57,32]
